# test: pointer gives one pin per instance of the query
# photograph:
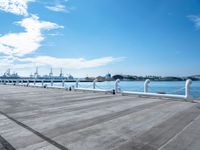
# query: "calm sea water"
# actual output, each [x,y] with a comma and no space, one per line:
[172,87]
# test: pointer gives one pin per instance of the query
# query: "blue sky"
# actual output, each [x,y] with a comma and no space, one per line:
[93,37]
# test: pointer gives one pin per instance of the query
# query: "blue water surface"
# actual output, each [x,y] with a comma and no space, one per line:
[171,87]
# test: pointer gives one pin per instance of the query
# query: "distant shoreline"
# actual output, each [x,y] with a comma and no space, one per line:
[37,80]
[100,78]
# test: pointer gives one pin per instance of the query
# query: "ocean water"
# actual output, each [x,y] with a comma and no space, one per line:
[171,87]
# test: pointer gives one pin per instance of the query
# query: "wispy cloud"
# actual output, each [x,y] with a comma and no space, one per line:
[69,63]
[20,44]
[18,7]
[195,20]
[60,6]
[49,61]
[57,8]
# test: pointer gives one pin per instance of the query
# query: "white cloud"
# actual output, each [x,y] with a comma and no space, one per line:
[20,44]
[15,46]
[18,7]
[60,6]
[69,63]
[57,8]
[5,63]
[195,19]
[24,66]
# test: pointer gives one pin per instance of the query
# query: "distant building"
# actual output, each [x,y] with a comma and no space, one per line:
[70,77]
[100,78]
[7,73]
[61,74]
[108,76]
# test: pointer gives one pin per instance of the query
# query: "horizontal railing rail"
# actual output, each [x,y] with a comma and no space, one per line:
[94,87]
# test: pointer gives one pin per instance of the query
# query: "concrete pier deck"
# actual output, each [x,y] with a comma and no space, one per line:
[56,119]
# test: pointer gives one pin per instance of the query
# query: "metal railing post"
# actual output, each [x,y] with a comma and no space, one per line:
[17,81]
[146,85]
[94,84]
[42,82]
[51,82]
[77,82]
[187,88]
[117,85]
[63,83]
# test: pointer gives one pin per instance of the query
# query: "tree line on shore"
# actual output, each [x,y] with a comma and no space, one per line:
[152,78]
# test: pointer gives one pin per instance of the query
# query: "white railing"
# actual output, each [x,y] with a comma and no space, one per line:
[77,83]
[94,84]
[187,95]
[146,85]
[116,88]
[94,89]
[63,83]
[187,89]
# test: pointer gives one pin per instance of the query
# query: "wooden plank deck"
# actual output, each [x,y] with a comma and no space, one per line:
[54,119]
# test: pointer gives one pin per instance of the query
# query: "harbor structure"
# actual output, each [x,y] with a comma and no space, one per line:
[51,73]
[36,74]
[8,74]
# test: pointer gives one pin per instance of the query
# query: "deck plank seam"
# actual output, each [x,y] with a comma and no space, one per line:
[175,136]
[6,144]
[47,139]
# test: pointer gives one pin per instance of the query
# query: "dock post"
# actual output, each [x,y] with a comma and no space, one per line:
[117,85]
[63,83]
[146,85]
[27,82]
[17,82]
[77,82]
[94,84]
[34,81]
[187,89]
[42,82]
[51,82]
